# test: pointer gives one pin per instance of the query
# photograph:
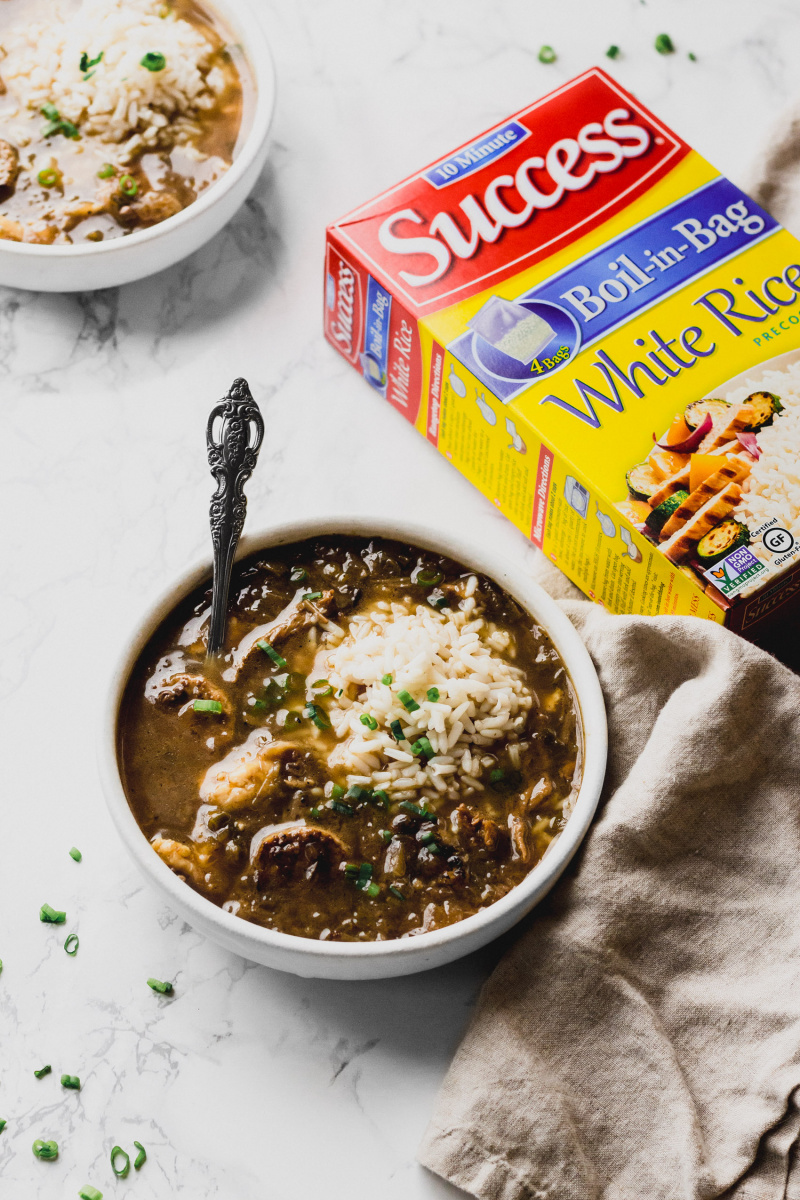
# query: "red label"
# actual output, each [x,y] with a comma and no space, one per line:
[544,473]
[435,392]
[344,304]
[553,172]
[404,374]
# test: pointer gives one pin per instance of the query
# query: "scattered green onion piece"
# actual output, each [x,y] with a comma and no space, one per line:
[372,889]
[393,891]
[217,820]
[72,1082]
[429,838]
[416,811]
[106,171]
[357,793]
[429,578]
[433,695]
[364,874]
[121,1171]
[547,55]
[497,775]
[71,945]
[311,596]
[272,653]
[153,61]
[691,56]
[407,700]
[387,679]
[317,715]
[612,52]
[397,731]
[386,835]
[51,112]
[346,810]
[380,797]
[1,966]
[422,748]
[291,719]
[76,854]
[209,706]
[128,186]
[40,1074]
[87,63]
[337,791]
[322,688]
[316,813]
[369,721]
[49,177]
[165,989]
[141,1157]
[2,1125]
[351,870]
[298,574]
[88,1192]
[258,704]
[664,44]
[437,600]
[51,916]
[47,1151]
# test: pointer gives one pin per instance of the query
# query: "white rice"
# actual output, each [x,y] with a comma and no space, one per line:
[118,100]
[483,699]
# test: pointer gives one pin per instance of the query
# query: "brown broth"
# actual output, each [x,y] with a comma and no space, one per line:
[429,868]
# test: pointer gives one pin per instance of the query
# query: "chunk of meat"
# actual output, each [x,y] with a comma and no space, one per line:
[731,470]
[190,861]
[9,164]
[185,689]
[716,509]
[521,839]
[245,773]
[107,199]
[155,206]
[298,615]
[302,854]
[474,831]
[537,792]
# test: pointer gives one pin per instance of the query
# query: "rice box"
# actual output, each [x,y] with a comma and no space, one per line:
[603,334]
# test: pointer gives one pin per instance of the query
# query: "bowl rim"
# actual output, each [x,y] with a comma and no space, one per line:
[259,56]
[521,898]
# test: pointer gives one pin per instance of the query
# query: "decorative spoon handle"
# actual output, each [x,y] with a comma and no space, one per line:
[234,435]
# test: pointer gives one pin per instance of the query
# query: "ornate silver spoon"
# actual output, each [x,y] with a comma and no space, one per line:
[234,435]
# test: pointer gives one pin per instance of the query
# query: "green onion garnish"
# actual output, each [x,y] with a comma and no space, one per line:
[106,171]
[87,63]
[369,721]
[272,653]
[497,775]
[337,791]
[386,835]
[416,811]
[120,1169]
[612,52]
[153,61]
[692,56]
[47,1151]
[49,177]
[422,748]
[387,679]
[165,989]
[51,916]
[76,854]
[128,185]
[664,44]
[380,797]
[311,596]
[372,889]
[407,700]
[291,719]
[56,123]
[88,1192]
[361,876]
[316,813]
[258,704]
[393,891]
[437,600]
[428,838]
[317,715]
[429,578]
[3,1125]
[357,793]
[71,945]
[141,1157]
[40,1074]
[217,820]
[346,810]
[209,706]
[397,731]
[298,574]
[433,694]
[321,687]
[72,1082]
[547,55]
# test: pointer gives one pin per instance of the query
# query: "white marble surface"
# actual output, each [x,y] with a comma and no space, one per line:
[250,1085]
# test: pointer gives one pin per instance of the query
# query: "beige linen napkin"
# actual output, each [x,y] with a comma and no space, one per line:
[641,1040]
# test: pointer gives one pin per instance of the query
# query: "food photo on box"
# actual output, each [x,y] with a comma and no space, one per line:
[412,759]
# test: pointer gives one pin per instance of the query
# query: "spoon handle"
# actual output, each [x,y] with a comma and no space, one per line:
[234,435]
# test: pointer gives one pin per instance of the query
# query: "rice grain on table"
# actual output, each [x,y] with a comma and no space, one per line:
[482,697]
[118,100]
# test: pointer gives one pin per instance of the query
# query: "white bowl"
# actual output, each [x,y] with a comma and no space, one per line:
[90,265]
[371,960]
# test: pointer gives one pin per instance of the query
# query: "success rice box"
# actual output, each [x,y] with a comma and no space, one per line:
[603,334]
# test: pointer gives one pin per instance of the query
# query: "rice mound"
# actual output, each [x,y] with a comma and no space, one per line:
[482,698]
[117,100]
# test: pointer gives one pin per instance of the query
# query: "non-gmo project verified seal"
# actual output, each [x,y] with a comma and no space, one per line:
[735,571]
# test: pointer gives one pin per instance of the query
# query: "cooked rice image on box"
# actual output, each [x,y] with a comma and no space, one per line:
[512,329]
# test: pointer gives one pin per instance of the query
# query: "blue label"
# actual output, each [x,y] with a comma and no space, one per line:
[376,336]
[485,150]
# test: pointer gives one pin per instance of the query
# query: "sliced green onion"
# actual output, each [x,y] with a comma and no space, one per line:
[497,775]
[72,1082]
[87,63]
[317,715]
[433,695]
[49,177]
[407,700]
[321,687]
[361,876]
[311,596]
[380,797]
[88,1192]
[51,916]
[56,123]
[51,112]
[422,748]
[122,1169]
[387,679]
[2,1125]
[416,811]
[316,813]
[128,186]
[346,810]
[428,838]
[210,706]
[47,1151]
[153,61]
[397,731]
[165,989]
[76,854]
[357,793]
[141,1157]
[69,130]
[372,889]
[612,52]
[298,574]
[692,56]
[664,44]
[272,653]
[393,891]
[337,791]
[71,945]
[369,721]
[547,55]
[437,600]
[291,719]
[429,578]
[40,1074]
[106,171]
[386,835]
[258,704]
[217,820]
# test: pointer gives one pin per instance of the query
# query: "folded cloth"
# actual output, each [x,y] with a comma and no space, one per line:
[641,1040]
